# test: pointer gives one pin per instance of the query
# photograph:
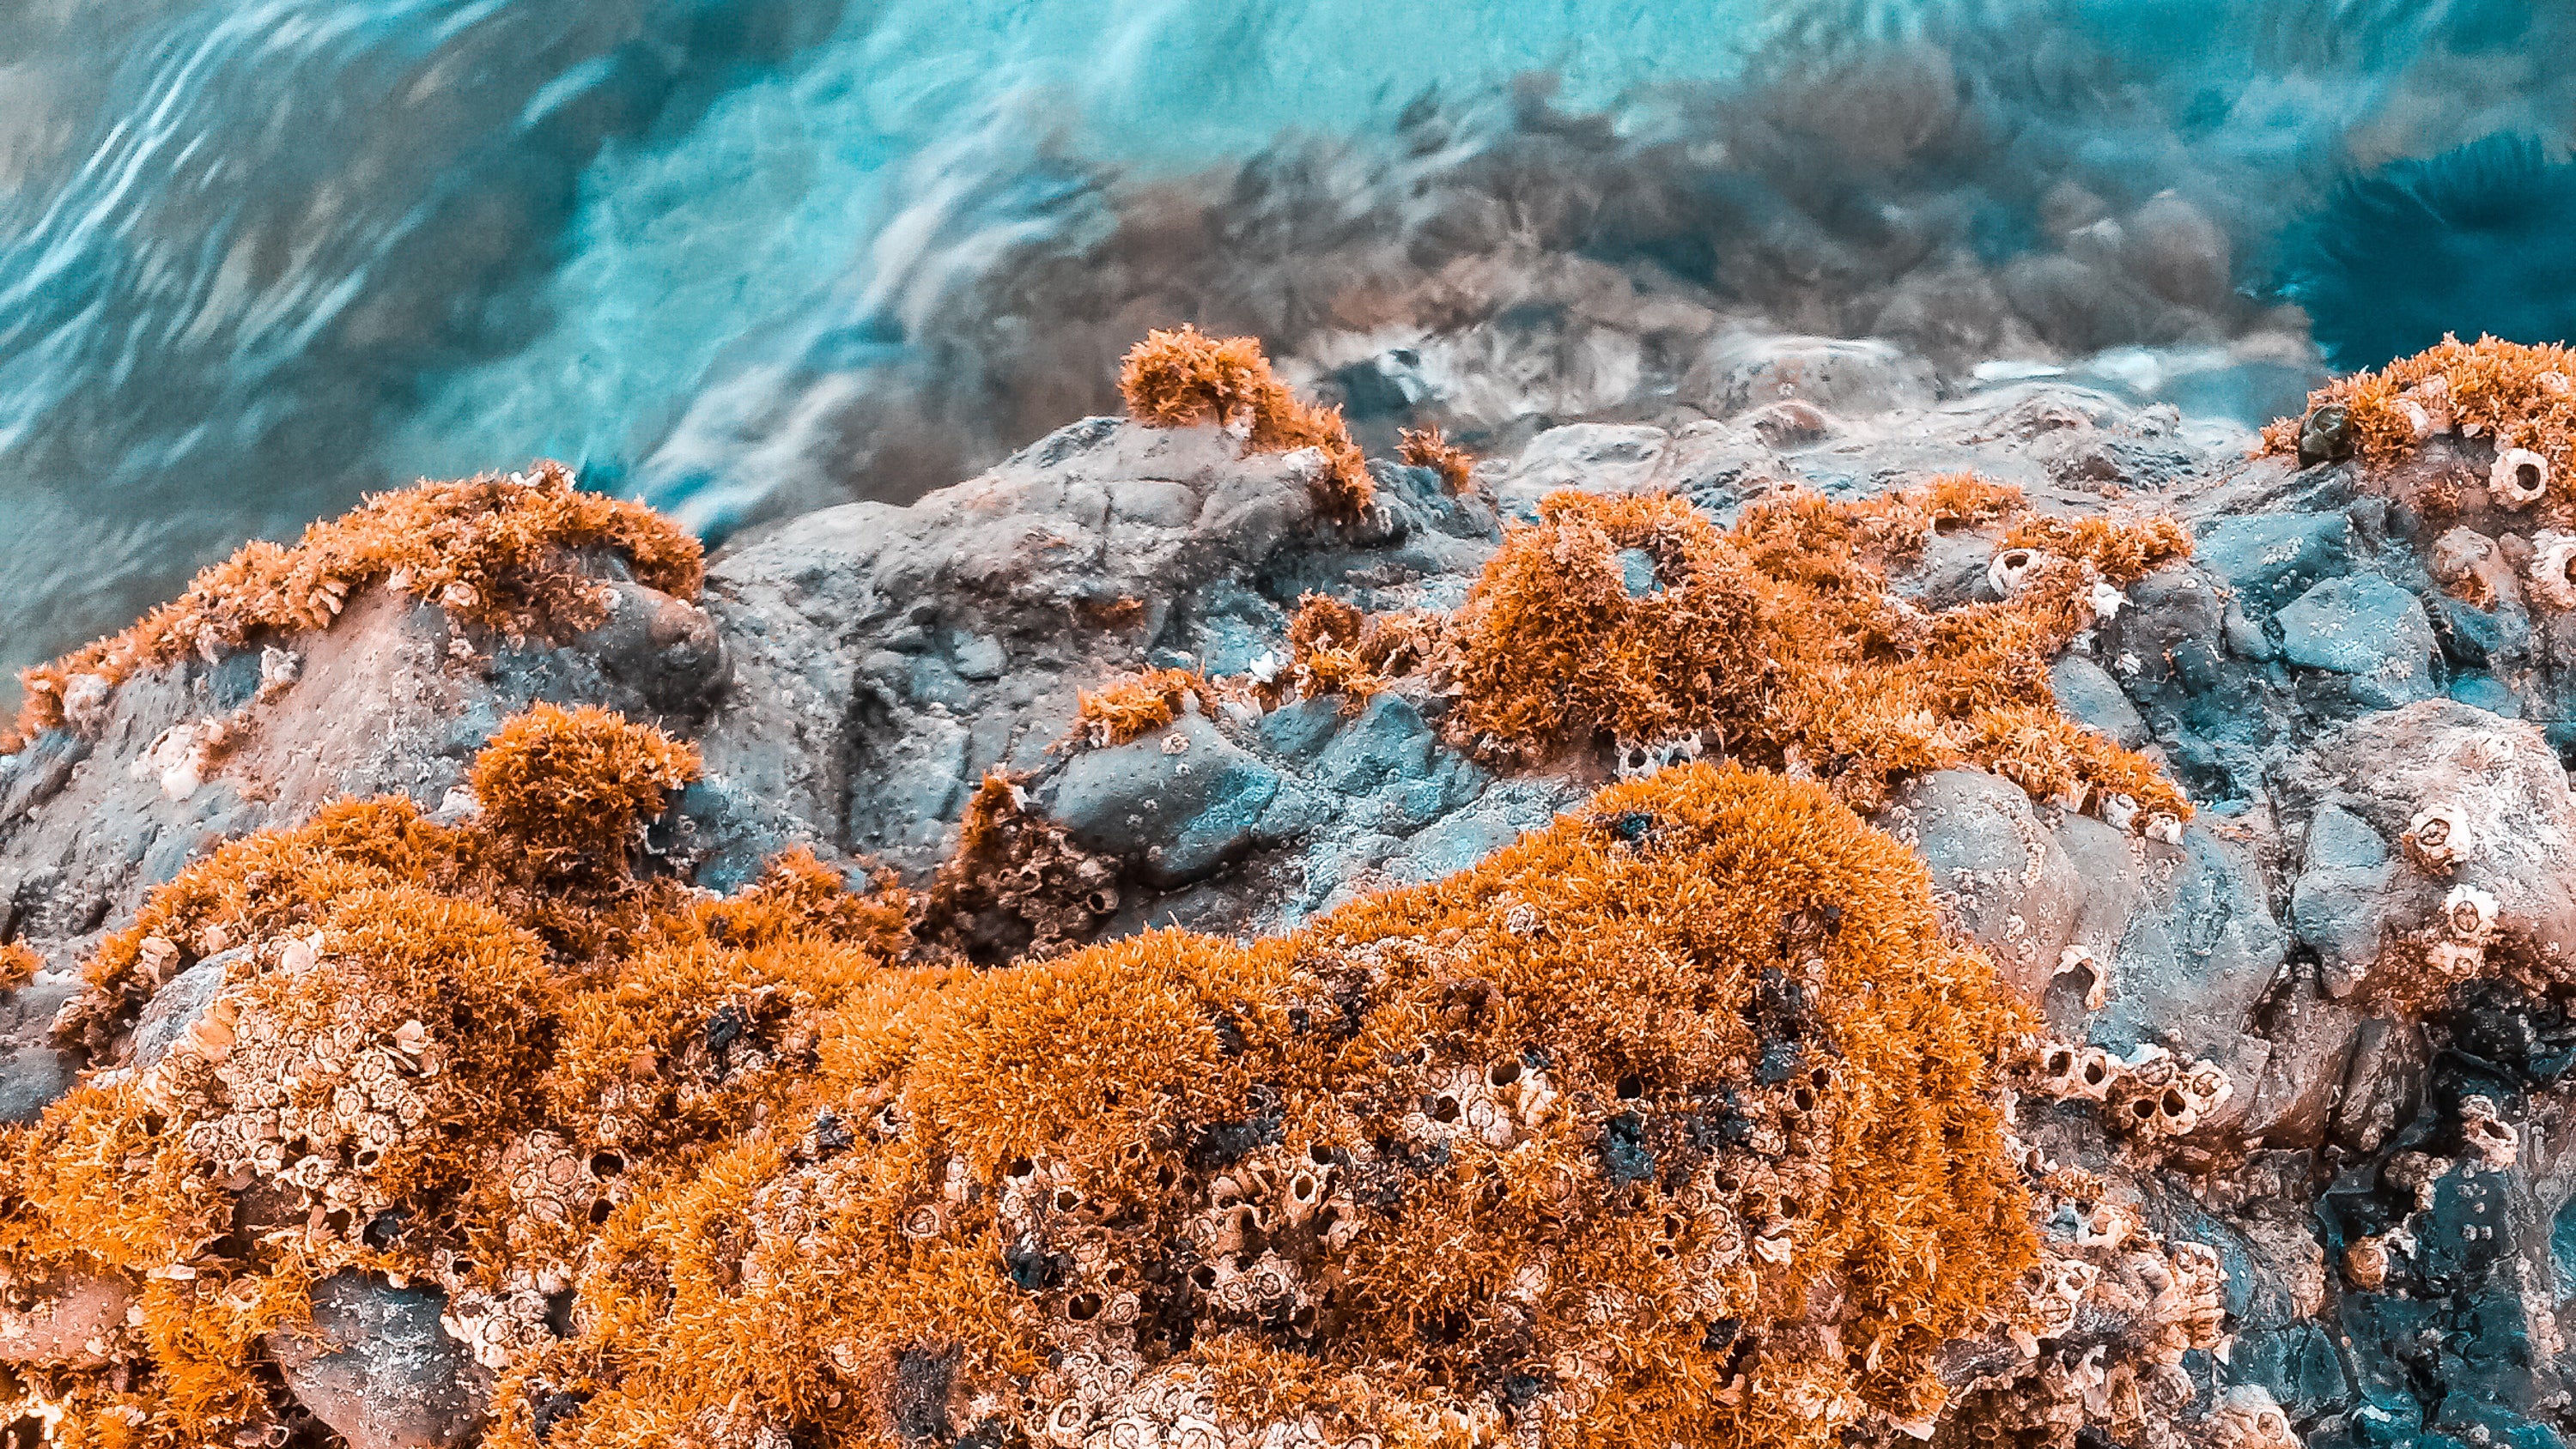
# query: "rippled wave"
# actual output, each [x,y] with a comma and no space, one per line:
[750,256]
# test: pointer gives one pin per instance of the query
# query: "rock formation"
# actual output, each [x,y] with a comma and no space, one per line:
[1863,916]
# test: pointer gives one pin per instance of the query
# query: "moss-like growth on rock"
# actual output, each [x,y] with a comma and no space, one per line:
[1678,1121]
[1185,378]
[1430,448]
[1780,640]
[494,551]
[387,1078]
[2517,396]
[1674,1123]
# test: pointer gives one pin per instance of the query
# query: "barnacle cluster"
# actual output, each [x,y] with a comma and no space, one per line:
[1677,1121]
[495,551]
[2148,1094]
[1638,621]
[1016,882]
[2518,398]
[1505,1155]
[2097,1333]
[1183,378]
[422,1051]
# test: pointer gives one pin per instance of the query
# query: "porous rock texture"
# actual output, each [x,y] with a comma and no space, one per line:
[2363,932]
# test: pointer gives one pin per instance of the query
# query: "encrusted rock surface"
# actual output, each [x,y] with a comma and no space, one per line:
[2352,966]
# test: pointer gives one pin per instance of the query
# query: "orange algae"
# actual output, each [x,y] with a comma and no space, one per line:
[1137,705]
[1638,619]
[1335,649]
[1446,1138]
[1362,1176]
[495,551]
[1430,448]
[1184,378]
[412,1029]
[19,964]
[2518,395]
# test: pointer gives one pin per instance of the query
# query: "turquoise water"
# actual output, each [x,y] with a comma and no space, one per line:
[746,256]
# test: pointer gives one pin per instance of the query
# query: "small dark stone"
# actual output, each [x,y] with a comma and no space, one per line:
[552,1409]
[1624,1153]
[830,1136]
[920,1398]
[2325,436]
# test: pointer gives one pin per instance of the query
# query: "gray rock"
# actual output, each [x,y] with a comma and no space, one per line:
[1997,868]
[65,1321]
[2090,696]
[2335,905]
[2197,952]
[2365,627]
[2384,1084]
[1388,741]
[1596,457]
[2272,558]
[34,1073]
[666,649]
[1177,816]
[2311,1038]
[377,1367]
[177,1005]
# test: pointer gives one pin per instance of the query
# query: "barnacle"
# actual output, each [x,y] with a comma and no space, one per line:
[19,964]
[490,550]
[2552,570]
[2487,1137]
[1183,377]
[2439,837]
[2248,1417]
[2519,479]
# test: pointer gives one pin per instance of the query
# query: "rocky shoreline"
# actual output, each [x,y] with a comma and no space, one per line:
[2334,997]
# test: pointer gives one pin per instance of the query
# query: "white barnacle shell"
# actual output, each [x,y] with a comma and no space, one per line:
[2494,1143]
[2107,601]
[2519,479]
[2468,913]
[2419,421]
[2119,811]
[2009,569]
[2439,836]
[2552,571]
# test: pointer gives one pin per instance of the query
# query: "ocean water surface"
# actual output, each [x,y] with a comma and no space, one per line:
[745,257]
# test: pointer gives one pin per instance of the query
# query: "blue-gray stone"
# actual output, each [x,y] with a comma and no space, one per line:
[1388,741]
[1453,845]
[1300,730]
[2091,697]
[2270,558]
[1637,572]
[2368,628]
[2334,906]
[2485,691]
[1177,816]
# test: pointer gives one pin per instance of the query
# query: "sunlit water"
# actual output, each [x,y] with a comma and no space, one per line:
[259,255]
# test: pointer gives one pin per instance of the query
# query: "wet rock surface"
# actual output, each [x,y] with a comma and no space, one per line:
[2370,713]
